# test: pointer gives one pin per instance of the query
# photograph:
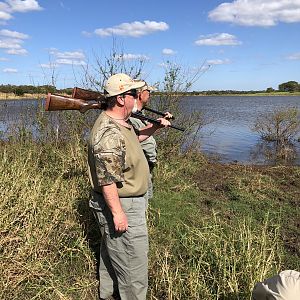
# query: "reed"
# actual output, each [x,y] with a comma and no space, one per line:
[44,254]
[48,240]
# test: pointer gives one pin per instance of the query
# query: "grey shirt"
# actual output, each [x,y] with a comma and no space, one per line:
[148,145]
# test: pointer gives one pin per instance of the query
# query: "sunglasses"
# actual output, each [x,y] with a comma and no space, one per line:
[132,93]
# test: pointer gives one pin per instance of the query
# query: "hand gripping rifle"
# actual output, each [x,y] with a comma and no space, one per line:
[83,100]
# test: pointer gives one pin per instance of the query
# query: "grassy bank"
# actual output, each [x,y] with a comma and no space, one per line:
[12,96]
[214,229]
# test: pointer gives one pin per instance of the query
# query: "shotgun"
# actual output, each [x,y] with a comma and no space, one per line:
[58,102]
[88,95]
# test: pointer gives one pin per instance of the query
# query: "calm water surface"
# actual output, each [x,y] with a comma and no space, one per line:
[228,136]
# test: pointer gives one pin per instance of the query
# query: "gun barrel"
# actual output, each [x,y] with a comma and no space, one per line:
[140,116]
[156,112]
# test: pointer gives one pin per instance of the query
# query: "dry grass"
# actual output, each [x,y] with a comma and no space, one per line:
[44,254]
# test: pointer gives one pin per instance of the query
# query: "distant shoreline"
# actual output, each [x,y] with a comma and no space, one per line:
[12,96]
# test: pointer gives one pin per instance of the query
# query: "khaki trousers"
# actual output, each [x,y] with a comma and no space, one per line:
[123,257]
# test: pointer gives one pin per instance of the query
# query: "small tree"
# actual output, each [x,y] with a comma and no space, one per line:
[281,126]
[290,86]
[270,90]
[172,97]
[19,91]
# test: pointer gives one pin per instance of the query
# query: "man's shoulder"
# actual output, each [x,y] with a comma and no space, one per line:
[106,132]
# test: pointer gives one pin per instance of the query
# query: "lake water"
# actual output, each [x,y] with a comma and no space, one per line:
[228,136]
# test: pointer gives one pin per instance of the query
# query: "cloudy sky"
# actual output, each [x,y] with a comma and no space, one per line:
[242,44]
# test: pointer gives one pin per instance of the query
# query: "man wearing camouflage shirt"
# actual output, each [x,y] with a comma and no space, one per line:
[119,176]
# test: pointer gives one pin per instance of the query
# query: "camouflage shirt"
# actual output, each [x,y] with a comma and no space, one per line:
[109,162]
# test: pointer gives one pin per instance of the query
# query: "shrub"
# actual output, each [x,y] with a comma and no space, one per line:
[281,126]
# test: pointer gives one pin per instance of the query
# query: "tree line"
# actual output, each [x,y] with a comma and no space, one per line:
[20,90]
[289,86]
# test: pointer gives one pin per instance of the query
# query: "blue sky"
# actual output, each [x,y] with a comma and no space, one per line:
[242,44]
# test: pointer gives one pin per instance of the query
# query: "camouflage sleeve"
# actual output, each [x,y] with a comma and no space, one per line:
[109,155]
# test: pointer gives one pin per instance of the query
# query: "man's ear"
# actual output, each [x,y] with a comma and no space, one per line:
[120,100]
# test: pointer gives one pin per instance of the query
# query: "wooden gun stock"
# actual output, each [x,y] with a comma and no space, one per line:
[87,95]
[58,102]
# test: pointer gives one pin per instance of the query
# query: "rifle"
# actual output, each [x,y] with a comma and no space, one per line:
[58,102]
[80,93]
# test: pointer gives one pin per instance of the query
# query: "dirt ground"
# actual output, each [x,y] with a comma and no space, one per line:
[280,185]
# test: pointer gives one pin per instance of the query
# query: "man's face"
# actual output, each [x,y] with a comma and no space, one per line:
[145,97]
[129,100]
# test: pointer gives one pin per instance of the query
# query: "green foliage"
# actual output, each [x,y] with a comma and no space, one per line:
[290,86]
[270,90]
[282,125]
[19,91]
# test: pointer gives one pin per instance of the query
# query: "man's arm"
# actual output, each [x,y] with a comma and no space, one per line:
[148,130]
[110,194]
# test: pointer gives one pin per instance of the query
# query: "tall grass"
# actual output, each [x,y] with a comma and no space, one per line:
[212,260]
[44,254]
[48,239]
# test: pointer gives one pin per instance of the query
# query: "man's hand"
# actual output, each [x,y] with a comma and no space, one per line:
[168,116]
[120,221]
[164,122]
[110,193]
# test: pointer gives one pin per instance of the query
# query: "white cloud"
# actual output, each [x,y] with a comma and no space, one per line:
[65,61]
[294,56]
[75,58]
[86,33]
[48,66]
[4,59]
[166,65]
[5,16]
[13,34]
[134,29]
[217,39]
[167,51]
[10,43]
[10,70]
[11,6]
[129,56]
[12,40]
[263,13]
[17,51]
[23,5]
[218,61]
[68,54]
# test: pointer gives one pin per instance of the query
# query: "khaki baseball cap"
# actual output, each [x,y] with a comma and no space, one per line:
[120,83]
[284,286]
[148,87]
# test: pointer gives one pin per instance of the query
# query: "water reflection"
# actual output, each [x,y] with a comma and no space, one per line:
[275,153]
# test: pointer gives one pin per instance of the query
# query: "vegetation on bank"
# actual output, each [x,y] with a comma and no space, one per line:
[214,229]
